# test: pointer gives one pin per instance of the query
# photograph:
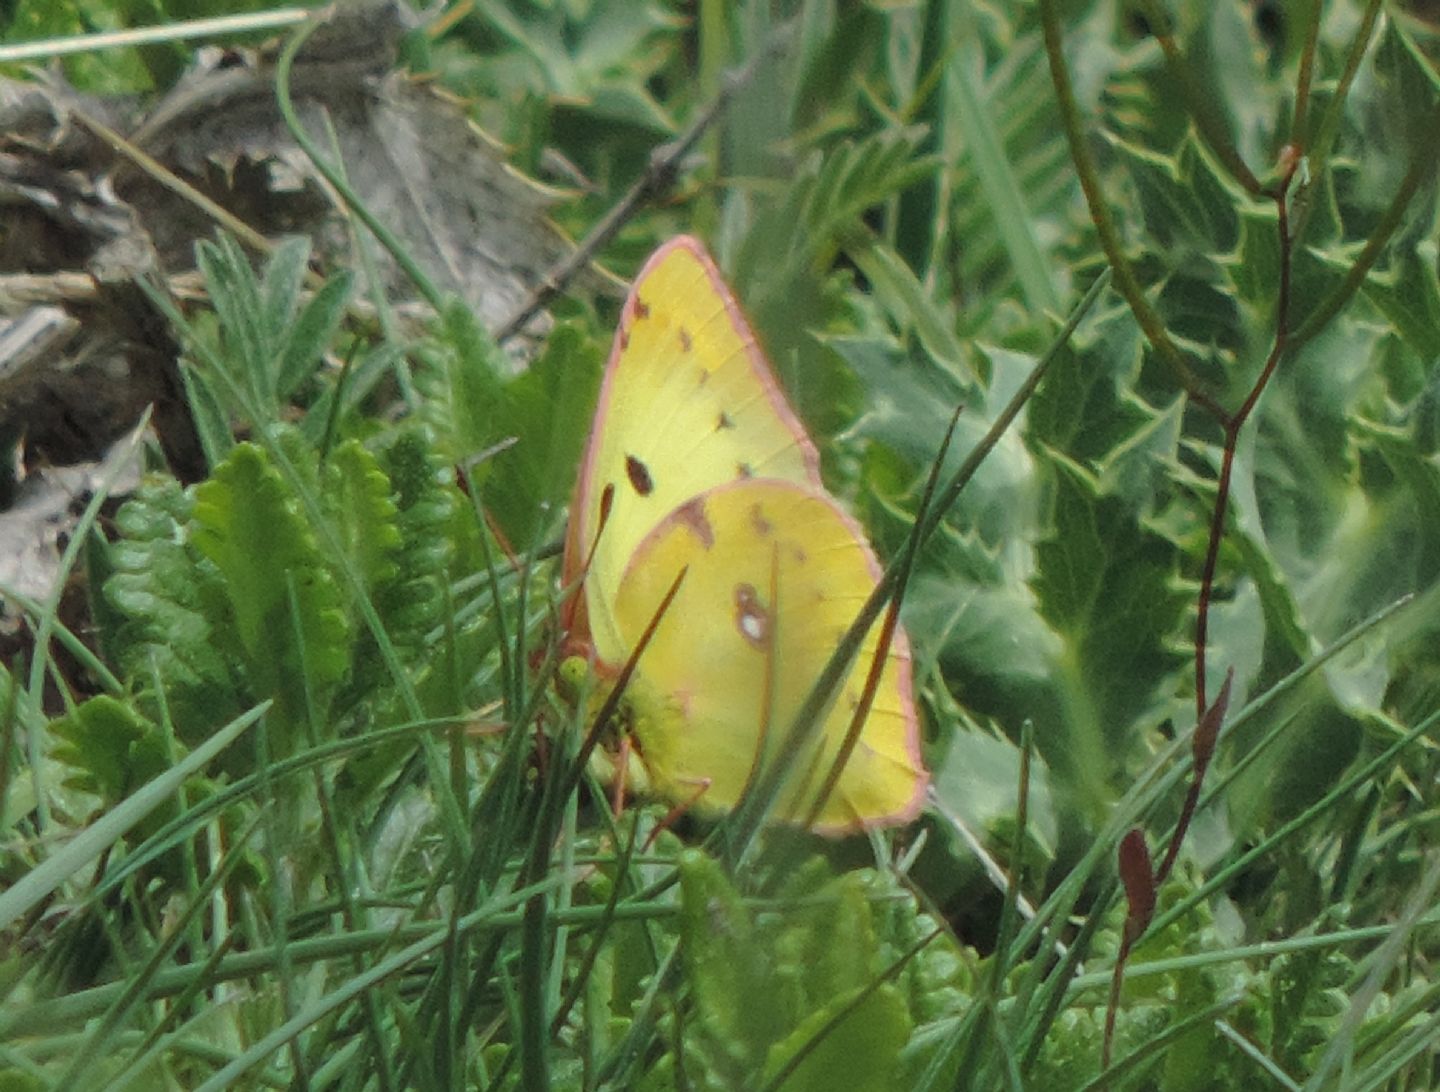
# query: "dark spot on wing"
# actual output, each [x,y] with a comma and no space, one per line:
[744,470]
[762,526]
[704,377]
[624,337]
[692,515]
[685,343]
[642,309]
[724,422]
[639,475]
[752,620]
[607,501]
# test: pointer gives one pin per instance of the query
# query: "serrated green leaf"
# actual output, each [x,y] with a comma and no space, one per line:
[1135,469]
[1409,296]
[462,378]
[1109,587]
[1083,408]
[908,408]
[1214,197]
[99,568]
[67,862]
[1254,270]
[174,625]
[896,287]
[428,507]
[1410,83]
[1174,215]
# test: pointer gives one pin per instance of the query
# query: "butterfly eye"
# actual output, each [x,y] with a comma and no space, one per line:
[751,617]
[639,475]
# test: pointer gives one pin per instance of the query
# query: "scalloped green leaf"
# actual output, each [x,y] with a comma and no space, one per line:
[248,525]
[427,507]
[356,494]
[172,623]
[461,375]
[112,748]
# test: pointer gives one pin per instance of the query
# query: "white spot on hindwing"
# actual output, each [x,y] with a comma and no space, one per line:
[752,619]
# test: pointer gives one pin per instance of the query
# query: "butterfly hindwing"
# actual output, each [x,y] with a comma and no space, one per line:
[774,575]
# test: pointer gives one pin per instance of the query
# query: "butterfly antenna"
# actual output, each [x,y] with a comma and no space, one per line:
[904,565]
[574,599]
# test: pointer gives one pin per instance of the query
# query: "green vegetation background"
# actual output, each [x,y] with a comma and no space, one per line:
[310,816]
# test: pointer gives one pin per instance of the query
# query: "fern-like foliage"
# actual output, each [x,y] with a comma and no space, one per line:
[167,603]
[357,498]
[412,601]
[285,613]
[410,598]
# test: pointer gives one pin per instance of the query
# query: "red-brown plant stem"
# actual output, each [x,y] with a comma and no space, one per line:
[1202,749]
[1233,423]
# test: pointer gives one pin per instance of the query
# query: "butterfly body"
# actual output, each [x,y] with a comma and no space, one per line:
[697,463]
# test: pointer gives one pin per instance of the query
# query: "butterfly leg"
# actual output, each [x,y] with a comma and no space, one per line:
[673,815]
[622,763]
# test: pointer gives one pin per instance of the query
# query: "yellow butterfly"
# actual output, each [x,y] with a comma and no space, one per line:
[696,462]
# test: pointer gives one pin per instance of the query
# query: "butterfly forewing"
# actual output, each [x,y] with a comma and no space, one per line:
[688,403]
